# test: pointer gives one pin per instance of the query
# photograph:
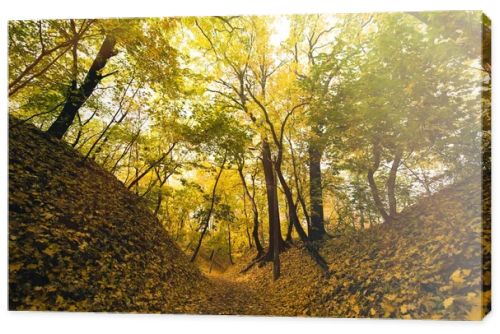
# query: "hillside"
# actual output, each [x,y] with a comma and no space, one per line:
[79,240]
[427,265]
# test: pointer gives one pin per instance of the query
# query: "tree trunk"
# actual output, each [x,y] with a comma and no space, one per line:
[275,238]
[276,251]
[362,219]
[125,151]
[138,176]
[78,96]
[249,237]
[300,231]
[160,193]
[212,256]
[271,191]
[114,120]
[317,226]
[300,197]
[209,213]
[294,218]
[158,201]
[373,185]
[247,230]
[255,211]
[229,243]
[391,185]
[288,238]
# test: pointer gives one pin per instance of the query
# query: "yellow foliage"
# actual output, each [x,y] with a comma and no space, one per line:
[448,302]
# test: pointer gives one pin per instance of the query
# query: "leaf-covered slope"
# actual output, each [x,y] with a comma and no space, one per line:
[78,240]
[427,265]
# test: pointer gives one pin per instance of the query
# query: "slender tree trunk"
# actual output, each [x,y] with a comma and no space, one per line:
[136,168]
[209,213]
[200,240]
[377,151]
[249,237]
[317,225]
[276,251]
[300,197]
[114,120]
[255,211]
[138,176]
[189,245]
[288,238]
[423,180]
[391,185]
[277,169]
[160,192]
[158,202]
[212,256]
[362,219]
[247,230]
[78,96]
[229,243]
[292,208]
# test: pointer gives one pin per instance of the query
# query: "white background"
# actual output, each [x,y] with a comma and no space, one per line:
[46,322]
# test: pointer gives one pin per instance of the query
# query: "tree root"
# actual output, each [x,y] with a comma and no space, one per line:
[316,256]
[266,257]
[309,246]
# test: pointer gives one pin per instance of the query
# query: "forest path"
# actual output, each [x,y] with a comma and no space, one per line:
[229,296]
[256,293]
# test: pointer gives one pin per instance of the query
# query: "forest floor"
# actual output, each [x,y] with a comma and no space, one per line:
[80,241]
[237,297]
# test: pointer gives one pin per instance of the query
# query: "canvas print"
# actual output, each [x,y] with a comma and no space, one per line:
[326,165]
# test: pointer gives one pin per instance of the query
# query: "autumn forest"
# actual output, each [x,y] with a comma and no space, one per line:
[295,165]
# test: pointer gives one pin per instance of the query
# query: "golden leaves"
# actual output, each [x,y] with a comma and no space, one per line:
[13,267]
[390,297]
[407,307]
[460,275]
[388,309]
[409,88]
[476,311]
[51,250]
[448,302]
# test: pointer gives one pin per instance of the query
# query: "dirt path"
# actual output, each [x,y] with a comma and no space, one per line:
[234,297]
